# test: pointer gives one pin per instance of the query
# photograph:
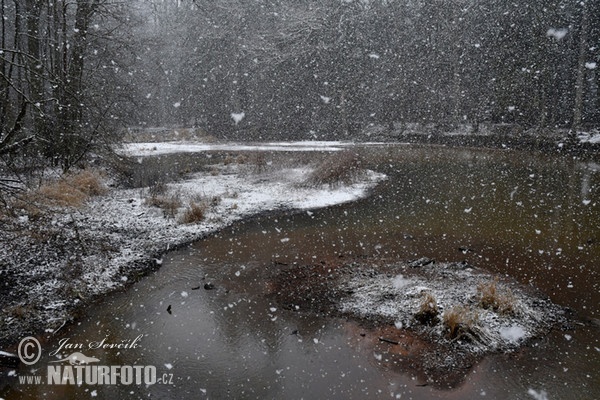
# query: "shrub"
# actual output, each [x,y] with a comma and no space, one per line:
[339,168]
[195,212]
[492,298]
[241,159]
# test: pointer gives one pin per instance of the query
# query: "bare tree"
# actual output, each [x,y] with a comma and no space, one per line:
[55,96]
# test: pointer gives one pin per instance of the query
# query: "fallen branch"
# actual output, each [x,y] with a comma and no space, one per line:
[388,340]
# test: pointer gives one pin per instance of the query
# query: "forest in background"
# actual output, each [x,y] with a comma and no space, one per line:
[74,73]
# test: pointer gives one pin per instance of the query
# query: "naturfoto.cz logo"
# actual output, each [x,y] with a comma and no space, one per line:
[77,368]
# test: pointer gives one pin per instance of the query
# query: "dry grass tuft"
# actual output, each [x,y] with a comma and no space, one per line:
[459,322]
[259,161]
[342,167]
[195,212]
[72,190]
[491,297]
[158,188]
[89,182]
[168,203]
[18,311]
[428,310]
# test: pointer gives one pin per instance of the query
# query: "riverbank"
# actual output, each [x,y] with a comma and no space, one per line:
[58,256]
[583,144]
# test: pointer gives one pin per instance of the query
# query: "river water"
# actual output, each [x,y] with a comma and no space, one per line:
[535,218]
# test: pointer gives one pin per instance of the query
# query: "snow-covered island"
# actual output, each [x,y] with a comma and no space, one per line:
[433,320]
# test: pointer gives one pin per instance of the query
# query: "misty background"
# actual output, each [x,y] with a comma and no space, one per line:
[75,73]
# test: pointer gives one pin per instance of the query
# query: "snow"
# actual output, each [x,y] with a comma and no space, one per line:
[134,235]
[238,117]
[379,297]
[399,282]
[512,333]
[146,149]
[593,137]
[541,395]
[557,34]
[590,65]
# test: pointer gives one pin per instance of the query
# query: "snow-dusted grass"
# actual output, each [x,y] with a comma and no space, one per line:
[453,291]
[72,254]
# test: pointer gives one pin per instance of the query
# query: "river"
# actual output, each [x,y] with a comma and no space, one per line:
[534,218]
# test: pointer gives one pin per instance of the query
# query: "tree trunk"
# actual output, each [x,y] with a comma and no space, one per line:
[579,82]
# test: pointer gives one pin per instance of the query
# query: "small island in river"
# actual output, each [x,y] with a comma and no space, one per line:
[434,319]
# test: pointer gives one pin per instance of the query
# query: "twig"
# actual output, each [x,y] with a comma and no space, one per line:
[388,340]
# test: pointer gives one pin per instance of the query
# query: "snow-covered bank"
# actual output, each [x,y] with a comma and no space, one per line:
[239,195]
[589,137]
[53,265]
[145,149]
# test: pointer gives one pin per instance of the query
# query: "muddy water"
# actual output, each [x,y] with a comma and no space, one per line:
[534,218]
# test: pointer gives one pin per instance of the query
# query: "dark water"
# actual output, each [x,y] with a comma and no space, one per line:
[536,219]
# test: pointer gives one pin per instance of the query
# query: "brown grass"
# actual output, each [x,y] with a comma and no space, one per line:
[72,190]
[459,322]
[168,203]
[158,188]
[339,168]
[194,213]
[428,310]
[491,297]
[18,311]
[259,161]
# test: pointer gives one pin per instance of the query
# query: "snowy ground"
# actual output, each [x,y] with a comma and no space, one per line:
[399,296]
[145,149]
[589,137]
[53,265]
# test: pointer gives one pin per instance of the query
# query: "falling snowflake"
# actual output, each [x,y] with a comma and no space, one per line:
[557,34]
[238,117]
